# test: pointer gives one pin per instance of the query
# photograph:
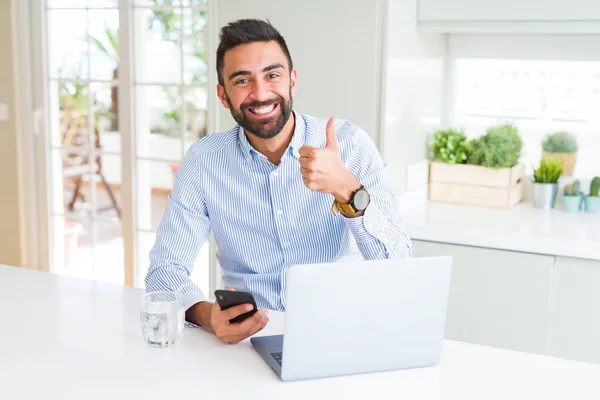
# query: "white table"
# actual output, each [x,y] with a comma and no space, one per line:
[65,338]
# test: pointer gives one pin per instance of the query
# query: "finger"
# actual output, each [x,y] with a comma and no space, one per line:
[330,139]
[231,289]
[233,312]
[254,323]
[305,171]
[303,162]
[306,151]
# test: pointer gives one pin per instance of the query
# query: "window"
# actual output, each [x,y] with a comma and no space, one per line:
[170,78]
[538,95]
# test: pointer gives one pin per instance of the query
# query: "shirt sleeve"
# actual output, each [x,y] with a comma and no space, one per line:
[380,232]
[183,230]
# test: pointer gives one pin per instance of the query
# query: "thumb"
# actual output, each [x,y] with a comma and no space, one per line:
[330,139]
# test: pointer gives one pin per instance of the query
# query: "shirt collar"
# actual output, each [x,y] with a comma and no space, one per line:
[298,139]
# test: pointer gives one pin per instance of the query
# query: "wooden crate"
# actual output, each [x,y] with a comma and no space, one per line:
[475,185]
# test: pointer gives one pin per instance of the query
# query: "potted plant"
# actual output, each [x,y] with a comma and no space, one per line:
[545,186]
[500,147]
[572,197]
[592,201]
[484,171]
[561,145]
[449,146]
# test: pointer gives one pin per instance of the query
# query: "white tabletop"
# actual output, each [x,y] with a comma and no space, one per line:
[521,228]
[65,338]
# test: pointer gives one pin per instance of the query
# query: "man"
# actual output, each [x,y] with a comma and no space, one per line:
[270,189]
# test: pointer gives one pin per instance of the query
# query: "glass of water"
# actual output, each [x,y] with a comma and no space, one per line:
[162,317]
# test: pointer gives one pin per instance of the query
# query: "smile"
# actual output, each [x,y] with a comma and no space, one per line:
[264,110]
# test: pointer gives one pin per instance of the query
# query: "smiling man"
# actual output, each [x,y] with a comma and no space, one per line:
[280,188]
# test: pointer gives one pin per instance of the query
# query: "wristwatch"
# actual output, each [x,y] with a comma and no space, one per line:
[359,201]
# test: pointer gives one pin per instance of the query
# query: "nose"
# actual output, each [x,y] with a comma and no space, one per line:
[260,90]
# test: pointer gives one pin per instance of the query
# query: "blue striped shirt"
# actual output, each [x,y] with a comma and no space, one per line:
[263,217]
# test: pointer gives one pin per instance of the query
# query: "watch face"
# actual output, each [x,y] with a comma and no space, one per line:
[361,200]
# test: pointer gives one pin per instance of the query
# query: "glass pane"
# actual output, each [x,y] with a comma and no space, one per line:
[108,187]
[67,3]
[106,107]
[539,96]
[71,250]
[83,3]
[75,195]
[158,45]
[164,3]
[103,3]
[68,112]
[108,255]
[67,44]
[104,44]
[196,114]
[154,183]
[194,51]
[145,242]
[158,122]
[69,177]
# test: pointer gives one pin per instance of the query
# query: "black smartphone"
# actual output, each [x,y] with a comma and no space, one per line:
[228,298]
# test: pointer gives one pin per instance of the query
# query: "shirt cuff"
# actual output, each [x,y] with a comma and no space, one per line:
[367,227]
[190,298]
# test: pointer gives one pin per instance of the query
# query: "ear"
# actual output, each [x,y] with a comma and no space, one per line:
[293,77]
[222,96]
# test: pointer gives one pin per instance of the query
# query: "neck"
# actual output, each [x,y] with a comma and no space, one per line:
[274,147]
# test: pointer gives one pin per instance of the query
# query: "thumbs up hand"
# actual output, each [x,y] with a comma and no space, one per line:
[323,169]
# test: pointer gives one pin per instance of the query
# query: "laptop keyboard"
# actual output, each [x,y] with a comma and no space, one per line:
[277,356]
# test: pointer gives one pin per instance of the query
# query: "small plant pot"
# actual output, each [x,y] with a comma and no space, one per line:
[592,204]
[544,194]
[568,159]
[571,203]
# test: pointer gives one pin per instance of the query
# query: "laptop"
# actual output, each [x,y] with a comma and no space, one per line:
[357,317]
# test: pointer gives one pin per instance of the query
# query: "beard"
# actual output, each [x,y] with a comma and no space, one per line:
[263,128]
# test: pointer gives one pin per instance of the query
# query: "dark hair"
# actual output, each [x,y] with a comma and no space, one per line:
[245,31]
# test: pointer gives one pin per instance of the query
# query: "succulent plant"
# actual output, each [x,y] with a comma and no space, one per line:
[500,147]
[572,189]
[549,171]
[595,186]
[559,142]
[449,146]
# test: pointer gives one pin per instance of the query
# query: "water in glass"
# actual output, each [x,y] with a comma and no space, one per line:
[162,317]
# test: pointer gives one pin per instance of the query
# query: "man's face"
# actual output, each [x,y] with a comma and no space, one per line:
[258,87]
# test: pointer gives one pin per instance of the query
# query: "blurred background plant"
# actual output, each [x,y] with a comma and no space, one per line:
[500,147]
[549,171]
[449,146]
[561,145]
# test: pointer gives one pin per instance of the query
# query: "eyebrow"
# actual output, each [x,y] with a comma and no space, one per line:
[265,69]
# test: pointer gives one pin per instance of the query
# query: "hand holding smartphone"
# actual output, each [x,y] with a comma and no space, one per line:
[229,298]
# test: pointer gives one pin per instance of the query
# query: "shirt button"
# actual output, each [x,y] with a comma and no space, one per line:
[286,243]
[279,212]
[275,173]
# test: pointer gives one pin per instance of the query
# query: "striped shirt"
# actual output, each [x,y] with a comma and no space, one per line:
[263,217]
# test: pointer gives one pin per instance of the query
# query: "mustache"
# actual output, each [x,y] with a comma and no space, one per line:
[256,104]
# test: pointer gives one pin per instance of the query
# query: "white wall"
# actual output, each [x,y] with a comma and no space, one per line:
[335,46]
[414,87]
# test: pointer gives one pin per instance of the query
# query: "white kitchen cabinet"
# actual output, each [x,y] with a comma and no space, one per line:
[575,317]
[508,10]
[497,298]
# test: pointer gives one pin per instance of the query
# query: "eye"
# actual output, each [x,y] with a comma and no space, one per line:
[242,81]
[273,76]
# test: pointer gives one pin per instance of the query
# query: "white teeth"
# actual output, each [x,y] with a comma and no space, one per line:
[263,110]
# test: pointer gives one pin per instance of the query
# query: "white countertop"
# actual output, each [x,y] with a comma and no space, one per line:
[65,338]
[520,228]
